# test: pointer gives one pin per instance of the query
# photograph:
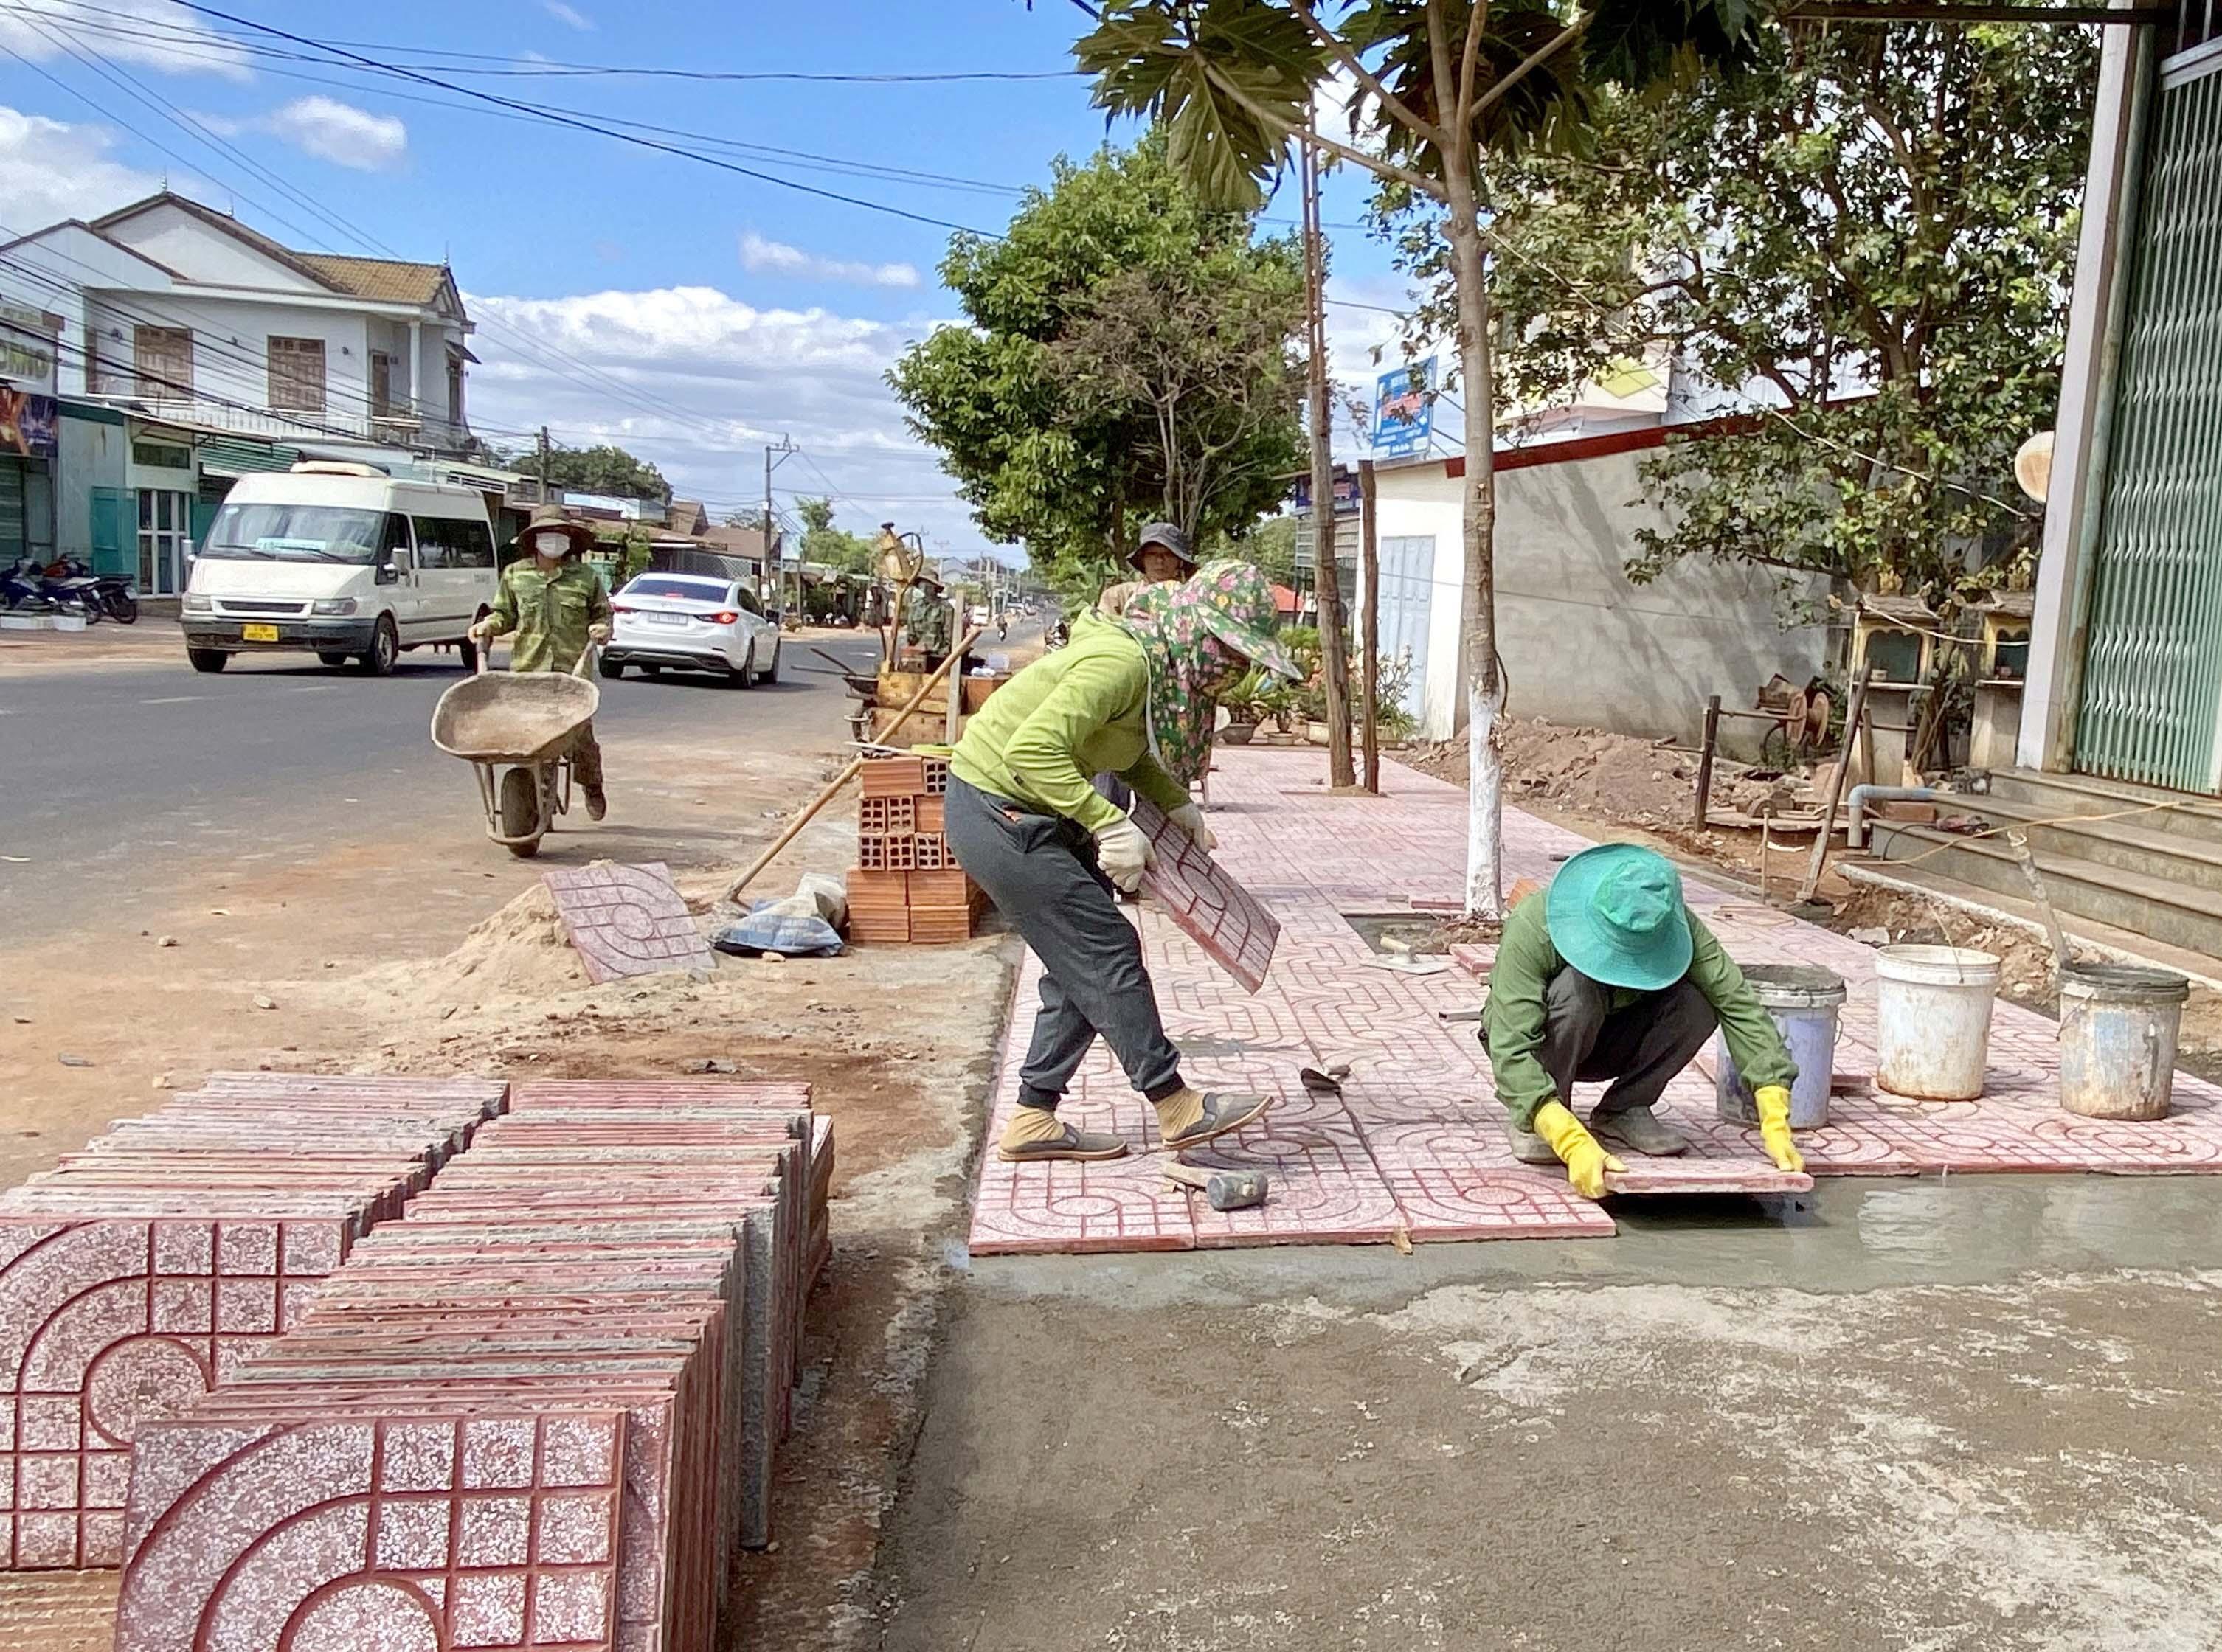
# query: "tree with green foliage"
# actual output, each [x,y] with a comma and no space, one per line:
[604,469]
[1871,236]
[1444,84]
[1129,355]
[823,543]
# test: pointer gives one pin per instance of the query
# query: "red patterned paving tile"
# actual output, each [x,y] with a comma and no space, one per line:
[627,920]
[1218,913]
[493,1532]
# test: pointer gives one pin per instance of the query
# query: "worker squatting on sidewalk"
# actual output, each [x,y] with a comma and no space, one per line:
[1128,697]
[1605,974]
[556,606]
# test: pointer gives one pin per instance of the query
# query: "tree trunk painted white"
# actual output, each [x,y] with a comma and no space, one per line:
[1485,838]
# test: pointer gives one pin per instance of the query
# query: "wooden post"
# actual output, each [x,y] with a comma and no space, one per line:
[1369,602]
[1852,715]
[1706,747]
[1335,659]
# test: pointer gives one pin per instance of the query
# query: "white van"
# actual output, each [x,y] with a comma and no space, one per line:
[341,562]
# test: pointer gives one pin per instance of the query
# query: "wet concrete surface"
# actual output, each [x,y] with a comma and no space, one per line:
[1974,1411]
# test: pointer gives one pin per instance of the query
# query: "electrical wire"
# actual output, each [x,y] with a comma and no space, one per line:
[580,124]
[157,31]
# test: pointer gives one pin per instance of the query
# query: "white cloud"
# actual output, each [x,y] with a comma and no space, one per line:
[762,257]
[327,129]
[568,16]
[50,170]
[150,32]
[708,380]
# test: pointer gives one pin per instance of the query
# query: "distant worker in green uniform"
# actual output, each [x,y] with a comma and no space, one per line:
[928,622]
[555,606]
[1606,976]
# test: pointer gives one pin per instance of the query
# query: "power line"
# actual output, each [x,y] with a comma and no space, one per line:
[542,354]
[806,160]
[558,118]
[155,30]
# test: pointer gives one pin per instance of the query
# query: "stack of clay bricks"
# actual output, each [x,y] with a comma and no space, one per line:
[539,1410]
[906,885]
[135,1273]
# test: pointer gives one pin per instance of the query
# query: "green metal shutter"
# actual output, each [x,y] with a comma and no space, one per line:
[113,532]
[2152,670]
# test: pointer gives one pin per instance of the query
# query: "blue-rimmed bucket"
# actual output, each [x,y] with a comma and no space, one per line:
[1802,1000]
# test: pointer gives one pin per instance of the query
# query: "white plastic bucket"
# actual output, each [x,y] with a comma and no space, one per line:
[2117,1030]
[1933,1021]
[1802,1000]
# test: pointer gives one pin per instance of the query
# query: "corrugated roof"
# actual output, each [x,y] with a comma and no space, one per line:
[387,280]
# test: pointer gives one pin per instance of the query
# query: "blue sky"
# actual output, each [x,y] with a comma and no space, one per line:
[687,312]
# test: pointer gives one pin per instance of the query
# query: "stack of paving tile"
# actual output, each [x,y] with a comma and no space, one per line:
[539,1410]
[906,885]
[136,1274]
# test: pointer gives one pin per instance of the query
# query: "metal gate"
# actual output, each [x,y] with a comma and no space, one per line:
[2152,698]
[2152,668]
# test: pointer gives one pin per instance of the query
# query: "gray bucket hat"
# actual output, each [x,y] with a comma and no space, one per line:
[1169,536]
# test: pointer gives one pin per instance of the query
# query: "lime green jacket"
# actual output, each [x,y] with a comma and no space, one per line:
[1527,961]
[1080,711]
[548,612]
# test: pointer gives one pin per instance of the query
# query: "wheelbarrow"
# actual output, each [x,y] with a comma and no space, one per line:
[515,729]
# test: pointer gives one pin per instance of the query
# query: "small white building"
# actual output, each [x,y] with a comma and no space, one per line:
[1580,643]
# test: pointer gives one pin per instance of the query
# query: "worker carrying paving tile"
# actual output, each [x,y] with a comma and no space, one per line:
[555,606]
[1133,696]
[1605,975]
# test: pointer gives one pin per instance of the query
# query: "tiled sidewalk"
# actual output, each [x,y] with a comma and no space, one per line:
[1415,1144]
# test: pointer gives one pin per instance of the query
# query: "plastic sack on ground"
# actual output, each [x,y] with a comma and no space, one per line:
[793,925]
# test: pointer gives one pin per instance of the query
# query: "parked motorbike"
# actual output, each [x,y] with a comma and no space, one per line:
[22,589]
[118,598]
[74,590]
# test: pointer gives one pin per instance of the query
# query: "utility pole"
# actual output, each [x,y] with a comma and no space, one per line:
[1335,665]
[545,497]
[785,447]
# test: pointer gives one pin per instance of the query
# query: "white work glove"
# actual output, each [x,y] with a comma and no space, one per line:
[598,633]
[484,630]
[1190,818]
[1124,853]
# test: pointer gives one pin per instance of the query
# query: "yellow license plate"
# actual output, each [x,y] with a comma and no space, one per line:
[258,633]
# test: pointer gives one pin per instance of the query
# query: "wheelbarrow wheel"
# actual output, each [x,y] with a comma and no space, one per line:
[518,806]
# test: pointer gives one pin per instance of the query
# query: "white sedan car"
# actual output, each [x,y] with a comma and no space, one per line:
[692,622]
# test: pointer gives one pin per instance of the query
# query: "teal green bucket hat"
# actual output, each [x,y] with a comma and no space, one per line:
[1616,914]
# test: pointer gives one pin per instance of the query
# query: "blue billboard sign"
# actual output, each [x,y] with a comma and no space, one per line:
[1404,410]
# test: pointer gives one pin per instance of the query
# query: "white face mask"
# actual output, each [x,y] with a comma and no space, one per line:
[551,544]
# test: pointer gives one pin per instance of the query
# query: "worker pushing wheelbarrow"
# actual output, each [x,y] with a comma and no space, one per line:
[520,731]
[530,730]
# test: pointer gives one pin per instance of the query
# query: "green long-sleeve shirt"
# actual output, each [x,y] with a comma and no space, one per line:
[1527,961]
[1080,711]
[550,612]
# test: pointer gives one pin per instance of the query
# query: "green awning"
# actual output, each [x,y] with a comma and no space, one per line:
[234,456]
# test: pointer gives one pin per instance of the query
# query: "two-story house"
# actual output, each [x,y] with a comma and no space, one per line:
[193,349]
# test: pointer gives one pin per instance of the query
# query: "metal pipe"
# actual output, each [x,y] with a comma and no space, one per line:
[1855,817]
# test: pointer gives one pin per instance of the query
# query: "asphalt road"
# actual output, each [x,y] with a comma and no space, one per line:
[113,778]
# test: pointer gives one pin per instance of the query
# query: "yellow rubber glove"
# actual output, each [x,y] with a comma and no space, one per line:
[1774,1103]
[1585,1161]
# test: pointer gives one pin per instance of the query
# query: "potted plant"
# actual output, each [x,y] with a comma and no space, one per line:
[1244,712]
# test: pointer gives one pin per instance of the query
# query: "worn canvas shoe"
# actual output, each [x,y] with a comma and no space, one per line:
[1189,1117]
[598,803]
[1038,1133]
[1640,1130]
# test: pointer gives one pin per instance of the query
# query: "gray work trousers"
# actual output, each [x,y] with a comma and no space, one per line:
[1639,1048]
[1040,871]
